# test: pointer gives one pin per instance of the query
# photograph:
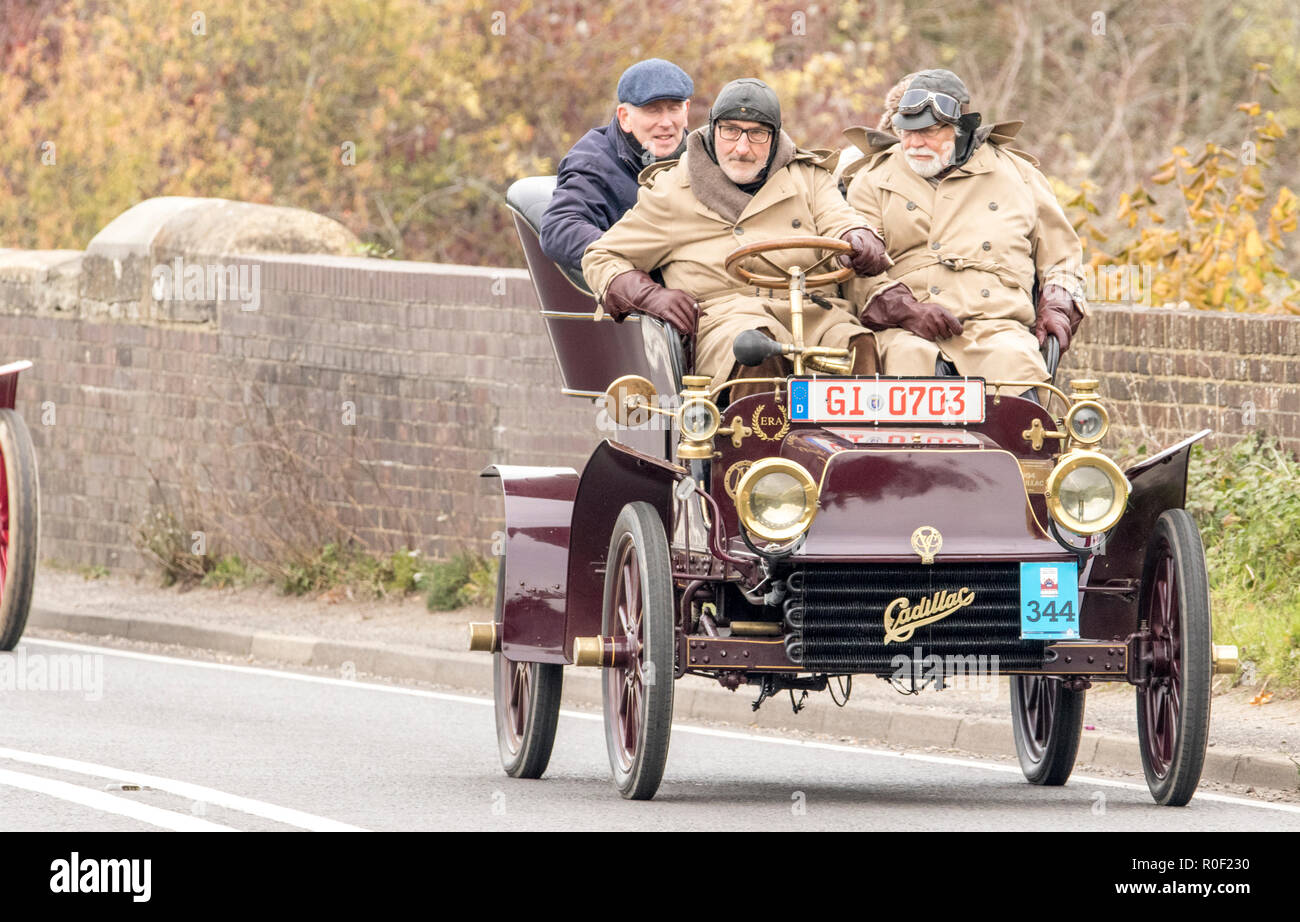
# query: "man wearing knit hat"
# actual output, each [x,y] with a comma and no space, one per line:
[972,227]
[741,180]
[597,178]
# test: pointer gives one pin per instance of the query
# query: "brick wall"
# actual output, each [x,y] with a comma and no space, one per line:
[240,423]
[362,393]
[1166,374]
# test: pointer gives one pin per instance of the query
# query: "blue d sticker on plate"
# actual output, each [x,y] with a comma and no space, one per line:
[1049,601]
[798,400]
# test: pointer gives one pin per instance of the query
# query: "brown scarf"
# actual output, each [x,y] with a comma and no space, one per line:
[712,186]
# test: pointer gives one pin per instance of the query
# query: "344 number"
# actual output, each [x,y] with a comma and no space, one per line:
[1038,611]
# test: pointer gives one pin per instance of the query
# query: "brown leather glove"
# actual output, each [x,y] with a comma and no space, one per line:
[868,256]
[636,291]
[1058,316]
[896,307]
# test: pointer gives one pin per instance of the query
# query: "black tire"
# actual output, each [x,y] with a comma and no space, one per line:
[638,698]
[19,526]
[526,700]
[1173,710]
[1047,722]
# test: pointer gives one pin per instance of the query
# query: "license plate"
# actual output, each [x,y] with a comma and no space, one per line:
[887,400]
[1049,601]
[884,436]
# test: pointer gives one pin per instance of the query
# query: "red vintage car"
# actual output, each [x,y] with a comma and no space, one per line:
[19,511]
[914,529]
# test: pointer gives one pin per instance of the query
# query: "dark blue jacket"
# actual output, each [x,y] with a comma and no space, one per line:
[595,186]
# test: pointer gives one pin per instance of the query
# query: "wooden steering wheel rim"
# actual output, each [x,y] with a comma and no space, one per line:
[788,243]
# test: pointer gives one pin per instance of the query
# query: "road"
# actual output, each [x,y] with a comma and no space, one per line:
[169,743]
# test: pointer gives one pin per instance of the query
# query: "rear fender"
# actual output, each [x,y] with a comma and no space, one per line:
[614,476]
[539,506]
[9,382]
[1159,483]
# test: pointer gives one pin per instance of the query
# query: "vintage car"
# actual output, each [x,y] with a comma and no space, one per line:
[911,529]
[19,511]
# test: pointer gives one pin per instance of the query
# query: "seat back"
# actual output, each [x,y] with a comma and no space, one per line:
[590,353]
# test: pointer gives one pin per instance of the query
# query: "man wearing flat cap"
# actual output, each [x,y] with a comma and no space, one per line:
[972,227]
[741,180]
[597,180]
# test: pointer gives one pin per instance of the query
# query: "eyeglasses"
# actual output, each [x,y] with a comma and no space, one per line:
[944,106]
[755,135]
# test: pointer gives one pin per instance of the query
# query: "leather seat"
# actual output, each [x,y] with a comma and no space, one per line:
[529,198]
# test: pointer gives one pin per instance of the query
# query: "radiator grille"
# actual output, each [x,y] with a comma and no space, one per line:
[835,615]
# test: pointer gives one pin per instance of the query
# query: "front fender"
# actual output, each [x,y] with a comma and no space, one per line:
[1159,483]
[539,507]
[614,476]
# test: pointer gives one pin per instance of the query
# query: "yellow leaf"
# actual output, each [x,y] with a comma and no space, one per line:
[1253,247]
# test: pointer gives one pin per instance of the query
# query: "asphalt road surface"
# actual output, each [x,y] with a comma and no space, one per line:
[166,743]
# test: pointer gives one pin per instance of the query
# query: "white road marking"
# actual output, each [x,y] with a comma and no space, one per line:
[677,727]
[107,803]
[195,792]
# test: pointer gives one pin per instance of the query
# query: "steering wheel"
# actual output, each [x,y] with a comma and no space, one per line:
[736,271]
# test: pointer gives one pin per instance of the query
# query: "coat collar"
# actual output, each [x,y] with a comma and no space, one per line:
[877,146]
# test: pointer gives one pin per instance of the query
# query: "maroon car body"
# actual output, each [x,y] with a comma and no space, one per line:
[798,616]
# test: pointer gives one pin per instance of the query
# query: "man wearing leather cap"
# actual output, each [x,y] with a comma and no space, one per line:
[741,180]
[597,180]
[971,225]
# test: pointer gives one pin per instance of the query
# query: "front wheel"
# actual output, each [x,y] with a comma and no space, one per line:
[19,518]
[1173,707]
[638,614]
[1047,721]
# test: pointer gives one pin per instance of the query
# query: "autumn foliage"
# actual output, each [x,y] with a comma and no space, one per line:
[1223,246]
[407,119]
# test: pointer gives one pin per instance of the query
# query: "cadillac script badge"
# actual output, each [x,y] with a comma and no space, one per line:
[902,618]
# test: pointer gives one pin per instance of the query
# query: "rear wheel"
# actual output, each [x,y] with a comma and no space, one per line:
[1047,721]
[638,614]
[527,704]
[19,522]
[1173,708]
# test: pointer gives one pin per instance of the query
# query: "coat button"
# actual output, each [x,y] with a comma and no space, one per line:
[739,230]
[934,289]
[796,223]
[993,206]
[986,245]
[984,292]
[934,246]
[911,206]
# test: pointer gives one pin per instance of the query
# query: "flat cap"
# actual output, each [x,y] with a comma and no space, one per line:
[651,79]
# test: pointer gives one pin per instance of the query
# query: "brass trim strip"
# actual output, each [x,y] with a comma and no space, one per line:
[586,317]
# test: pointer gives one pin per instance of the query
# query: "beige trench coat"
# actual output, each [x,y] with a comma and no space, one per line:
[974,244]
[672,230]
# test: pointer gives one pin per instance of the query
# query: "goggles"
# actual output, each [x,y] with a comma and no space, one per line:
[944,106]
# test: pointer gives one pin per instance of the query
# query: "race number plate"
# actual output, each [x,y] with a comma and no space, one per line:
[1049,601]
[887,400]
